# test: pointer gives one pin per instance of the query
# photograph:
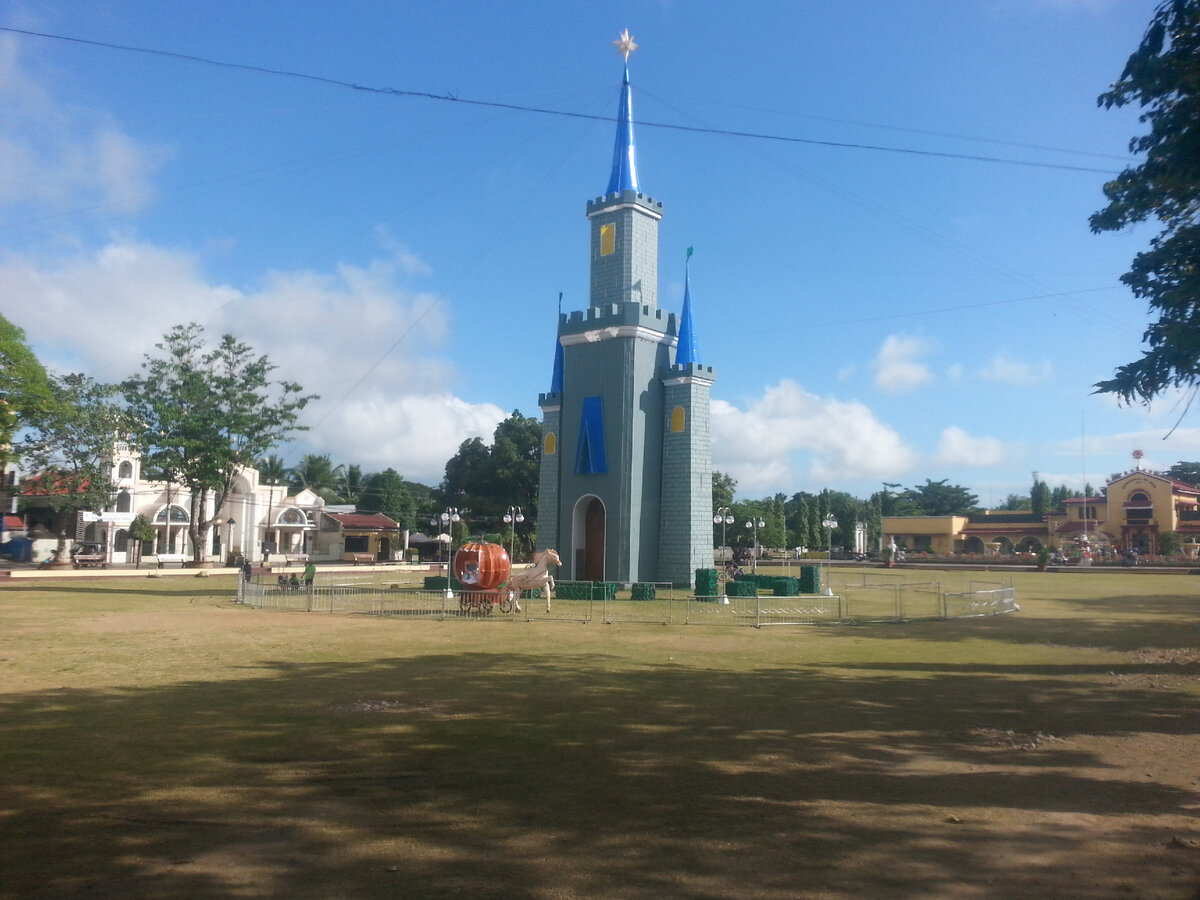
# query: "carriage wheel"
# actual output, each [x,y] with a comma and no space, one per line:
[485,607]
[506,605]
[464,605]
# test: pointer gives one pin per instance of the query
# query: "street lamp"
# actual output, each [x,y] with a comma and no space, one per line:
[446,520]
[724,517]
[511,518]
[828,523]
[229,523]
[755,523]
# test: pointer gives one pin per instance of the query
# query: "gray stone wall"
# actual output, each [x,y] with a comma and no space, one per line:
[630,273]
[686,524]
[548,533]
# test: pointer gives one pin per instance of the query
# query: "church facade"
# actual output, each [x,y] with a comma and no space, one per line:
[625,490]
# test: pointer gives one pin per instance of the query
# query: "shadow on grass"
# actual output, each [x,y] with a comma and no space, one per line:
[1150,630]
[159,589]
[503,775]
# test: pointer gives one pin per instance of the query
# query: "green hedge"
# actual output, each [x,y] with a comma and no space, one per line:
[786,586]
[572,590]
[741,588]
[707,583]
[643,592]
[598,591]
[810,580]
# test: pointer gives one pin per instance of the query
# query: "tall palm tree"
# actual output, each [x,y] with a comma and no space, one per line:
[271,470]
[349,481]
[314,471]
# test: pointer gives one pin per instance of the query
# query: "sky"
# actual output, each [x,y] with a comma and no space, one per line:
[893,278]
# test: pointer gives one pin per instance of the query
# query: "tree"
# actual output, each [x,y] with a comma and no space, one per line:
[723,488]
[516,456]
[315,472]
[206,414]
[385,492]
[70,444]
[1187,472]
[1163,77]
[1014,502]
[797,519]
[24,385]
[1040,497]
[271,470]
[140,531]
[483,482]
[1170,543]
[893,503]
[350,482]
[937,498]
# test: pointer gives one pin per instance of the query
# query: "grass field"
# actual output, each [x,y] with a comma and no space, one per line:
[157,740]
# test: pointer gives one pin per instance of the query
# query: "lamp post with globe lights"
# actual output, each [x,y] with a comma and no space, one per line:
[723,518]
[446,520]
[755,523]
[511,518]
[828,523]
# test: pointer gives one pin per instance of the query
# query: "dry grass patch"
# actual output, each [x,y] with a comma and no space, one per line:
[158,741]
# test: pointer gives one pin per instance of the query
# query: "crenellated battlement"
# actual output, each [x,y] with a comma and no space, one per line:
[615,315]
[625,198]
[691,370]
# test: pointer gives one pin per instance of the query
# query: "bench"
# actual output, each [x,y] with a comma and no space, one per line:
[357,558]
[158,559]
[295,558]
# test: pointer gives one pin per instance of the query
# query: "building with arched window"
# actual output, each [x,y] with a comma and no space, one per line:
[1135,509]
[256,520]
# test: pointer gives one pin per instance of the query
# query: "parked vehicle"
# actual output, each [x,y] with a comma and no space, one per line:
[88,555]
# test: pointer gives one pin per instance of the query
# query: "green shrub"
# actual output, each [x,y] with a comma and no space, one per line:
[741,588]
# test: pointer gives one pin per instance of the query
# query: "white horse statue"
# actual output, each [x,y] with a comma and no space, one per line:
[535,577]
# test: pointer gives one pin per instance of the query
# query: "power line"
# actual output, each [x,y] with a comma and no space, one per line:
[539,110]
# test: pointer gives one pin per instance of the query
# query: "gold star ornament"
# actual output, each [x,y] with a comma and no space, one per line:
[625,44]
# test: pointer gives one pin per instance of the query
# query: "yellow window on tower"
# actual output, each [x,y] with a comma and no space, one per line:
[549,446]
[608,239]
[677,419]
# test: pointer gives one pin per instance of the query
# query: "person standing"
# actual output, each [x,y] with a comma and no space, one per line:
[310,573]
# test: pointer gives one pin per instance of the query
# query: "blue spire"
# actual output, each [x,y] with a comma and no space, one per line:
[687,351]
[624,169]
[556,377]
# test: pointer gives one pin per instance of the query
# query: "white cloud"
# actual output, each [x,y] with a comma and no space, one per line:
[763,445]
[412,433]
[956,447]
[898,369]
[356,336]
[1007,370]
[63,157]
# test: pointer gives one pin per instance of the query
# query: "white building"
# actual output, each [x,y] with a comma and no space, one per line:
[256,520]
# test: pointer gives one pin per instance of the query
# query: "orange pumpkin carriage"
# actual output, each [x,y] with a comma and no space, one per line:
[481,568]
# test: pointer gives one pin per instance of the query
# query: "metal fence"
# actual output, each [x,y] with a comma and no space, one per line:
[861,598]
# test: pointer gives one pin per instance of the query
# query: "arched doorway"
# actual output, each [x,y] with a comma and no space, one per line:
[588,539]
[973,544]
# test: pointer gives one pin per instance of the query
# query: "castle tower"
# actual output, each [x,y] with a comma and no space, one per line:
[626,471]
